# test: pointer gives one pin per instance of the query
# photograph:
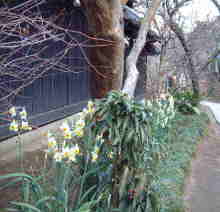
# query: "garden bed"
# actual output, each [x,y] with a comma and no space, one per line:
[173,171]
[120,153]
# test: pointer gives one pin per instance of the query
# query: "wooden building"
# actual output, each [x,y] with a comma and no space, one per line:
[66,85]
[61,90]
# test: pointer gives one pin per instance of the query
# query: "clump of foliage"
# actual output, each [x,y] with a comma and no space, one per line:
[186,101]
[134,134]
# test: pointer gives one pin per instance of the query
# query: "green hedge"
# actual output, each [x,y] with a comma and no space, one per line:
[172,171]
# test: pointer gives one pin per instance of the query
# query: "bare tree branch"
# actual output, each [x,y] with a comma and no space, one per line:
[217,4]
[28,34]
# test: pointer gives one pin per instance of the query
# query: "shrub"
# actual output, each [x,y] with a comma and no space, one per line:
[186,102]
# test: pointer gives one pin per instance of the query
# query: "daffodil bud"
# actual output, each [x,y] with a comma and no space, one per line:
[23,114]
[95,154]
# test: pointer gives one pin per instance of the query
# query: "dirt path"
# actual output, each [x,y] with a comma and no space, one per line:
[203,188]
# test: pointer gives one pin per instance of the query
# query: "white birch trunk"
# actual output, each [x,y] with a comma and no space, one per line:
[131,61]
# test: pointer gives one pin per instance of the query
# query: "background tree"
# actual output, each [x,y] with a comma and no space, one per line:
[172,7]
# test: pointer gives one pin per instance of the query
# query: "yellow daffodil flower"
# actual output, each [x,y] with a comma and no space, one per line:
[66,152]
[66,130]
[14,126]
[67,135]
[58,156]
[96,150]
[75,149]
[25,125]
[73,152]
[72,157]
[52,142]
[80,123]
[65,127]
[78,132]
[95,154]
[12,111]
[90,106]
[94,157]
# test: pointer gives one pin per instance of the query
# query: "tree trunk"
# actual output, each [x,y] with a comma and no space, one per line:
[153,84]
[106,58]
[132,71]
[192,72]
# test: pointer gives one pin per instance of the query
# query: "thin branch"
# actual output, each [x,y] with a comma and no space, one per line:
[26,38]
[217,4]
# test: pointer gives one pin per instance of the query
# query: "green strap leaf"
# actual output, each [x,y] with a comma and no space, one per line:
[4,177]
[45,200]
[26,206]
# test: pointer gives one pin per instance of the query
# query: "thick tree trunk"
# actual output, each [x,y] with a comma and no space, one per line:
[106,60]
[132,71]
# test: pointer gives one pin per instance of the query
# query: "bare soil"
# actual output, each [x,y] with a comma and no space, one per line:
[33,162]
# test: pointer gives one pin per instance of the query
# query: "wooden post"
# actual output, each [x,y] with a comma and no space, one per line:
[153,83]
